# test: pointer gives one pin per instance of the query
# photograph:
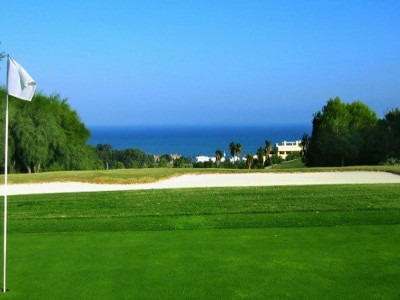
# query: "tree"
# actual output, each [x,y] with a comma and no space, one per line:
[232,150]
[268,147]
[340,135]
[305,143]
[239,150]
[260,157]
[392,120]
[103,154]
[218,156]
[249,160]
[45,134]
[388,136]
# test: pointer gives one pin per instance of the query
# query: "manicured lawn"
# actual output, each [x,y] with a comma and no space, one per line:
[294,164]
[303,242]
[349,262]
[127,176]
[206,208]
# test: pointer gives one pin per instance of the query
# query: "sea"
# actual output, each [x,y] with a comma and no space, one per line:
[192,141]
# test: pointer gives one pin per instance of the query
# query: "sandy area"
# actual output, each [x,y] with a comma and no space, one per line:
[211,180]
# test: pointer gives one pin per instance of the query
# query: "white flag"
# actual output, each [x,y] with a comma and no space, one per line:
[19,83]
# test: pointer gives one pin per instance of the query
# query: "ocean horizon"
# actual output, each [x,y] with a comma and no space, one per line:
[194,140]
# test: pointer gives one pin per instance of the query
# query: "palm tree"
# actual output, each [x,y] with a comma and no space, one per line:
[260,156]
[268,147]
[232,149]
[218,155]
[239,150]
[249,160]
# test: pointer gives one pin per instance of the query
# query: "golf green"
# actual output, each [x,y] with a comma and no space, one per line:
[305,242]
[348,262]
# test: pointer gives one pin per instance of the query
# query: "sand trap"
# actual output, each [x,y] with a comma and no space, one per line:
[211,180]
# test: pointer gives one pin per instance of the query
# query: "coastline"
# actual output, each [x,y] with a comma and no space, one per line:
[194,140]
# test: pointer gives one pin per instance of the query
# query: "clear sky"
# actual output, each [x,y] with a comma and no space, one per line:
[206,62]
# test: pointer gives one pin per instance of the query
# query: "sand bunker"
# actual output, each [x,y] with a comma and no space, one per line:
[212,180]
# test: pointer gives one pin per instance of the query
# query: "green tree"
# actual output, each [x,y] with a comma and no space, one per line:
[388,136]
[268,147]
[267,151]
[305,143]
[239,150]
[260,157]
[249,160]
[340,134]
[232,150]
[45,134]
[218,156]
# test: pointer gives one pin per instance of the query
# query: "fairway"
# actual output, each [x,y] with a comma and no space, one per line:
[307,242]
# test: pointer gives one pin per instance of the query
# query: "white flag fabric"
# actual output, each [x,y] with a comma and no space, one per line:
[19,83]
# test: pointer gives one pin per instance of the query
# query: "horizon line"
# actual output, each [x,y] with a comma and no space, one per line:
[201,125]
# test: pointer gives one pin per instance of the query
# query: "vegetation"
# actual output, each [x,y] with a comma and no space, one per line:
[45,134]
[109,158]
[290,165]
[265,242]
[260,158]
[2,54]
[249,160]
[351,134]
[218,156]
[217,208]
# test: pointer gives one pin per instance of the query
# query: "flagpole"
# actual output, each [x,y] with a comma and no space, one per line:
[5,189]
[5,199]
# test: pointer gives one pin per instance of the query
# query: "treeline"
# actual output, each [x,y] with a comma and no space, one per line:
[44,134]
[347,134]
[47,135]
[108,158]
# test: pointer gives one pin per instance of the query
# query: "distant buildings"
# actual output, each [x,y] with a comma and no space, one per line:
[282,150]
[202,159]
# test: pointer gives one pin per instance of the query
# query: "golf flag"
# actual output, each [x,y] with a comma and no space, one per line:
[19,83]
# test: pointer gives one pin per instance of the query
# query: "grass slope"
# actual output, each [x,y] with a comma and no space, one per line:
[129,176]
[206,208]
[305,242]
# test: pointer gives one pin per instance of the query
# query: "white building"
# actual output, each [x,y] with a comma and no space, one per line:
[202,159]
[245,158]
[234,159]
[286,148]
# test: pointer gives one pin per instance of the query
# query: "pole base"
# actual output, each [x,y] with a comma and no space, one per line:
[4,291]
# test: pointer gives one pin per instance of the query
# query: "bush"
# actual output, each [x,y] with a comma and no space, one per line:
[392,161]
[275,159]
[293,156]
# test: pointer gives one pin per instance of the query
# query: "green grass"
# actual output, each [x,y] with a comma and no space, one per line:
[356,262]
[304,242]
[206,208]
[128,176]
[293,164]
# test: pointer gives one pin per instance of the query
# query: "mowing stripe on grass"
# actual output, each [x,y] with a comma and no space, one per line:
[207,208]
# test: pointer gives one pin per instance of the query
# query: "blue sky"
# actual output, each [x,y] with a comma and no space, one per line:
[206,62]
